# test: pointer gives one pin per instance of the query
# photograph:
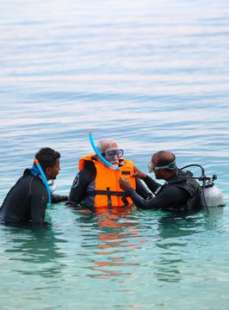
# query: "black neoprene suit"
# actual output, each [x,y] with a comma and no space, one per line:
[181,193]
[26,201]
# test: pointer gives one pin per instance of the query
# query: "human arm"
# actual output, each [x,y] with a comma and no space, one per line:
[59,198]
[168,198]
[142,190]
[80,184]
[151,184]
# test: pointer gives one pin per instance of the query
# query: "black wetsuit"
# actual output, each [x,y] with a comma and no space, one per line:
[181,193]
[84,184]
[26,201]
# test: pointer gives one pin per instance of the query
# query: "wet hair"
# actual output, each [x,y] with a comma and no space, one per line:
[47,157]
[165,158]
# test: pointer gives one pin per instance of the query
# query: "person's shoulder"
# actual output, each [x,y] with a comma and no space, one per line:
[28,183]
[89,171]
[89,165]
[36,186]
[26,178]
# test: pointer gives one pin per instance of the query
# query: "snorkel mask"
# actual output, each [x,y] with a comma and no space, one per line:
[170,166]
[114,156]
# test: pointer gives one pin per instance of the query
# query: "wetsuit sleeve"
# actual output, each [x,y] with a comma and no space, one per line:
[59,198]
[151,184]
[80,184]
[142,190]
[165,200]
[38,202]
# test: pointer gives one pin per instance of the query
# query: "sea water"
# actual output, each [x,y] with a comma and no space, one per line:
[151,74]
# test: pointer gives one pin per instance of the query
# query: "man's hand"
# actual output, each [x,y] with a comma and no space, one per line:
[124,184]
[138,173]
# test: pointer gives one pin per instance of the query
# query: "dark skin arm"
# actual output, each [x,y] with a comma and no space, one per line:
[151,184]
[155,203]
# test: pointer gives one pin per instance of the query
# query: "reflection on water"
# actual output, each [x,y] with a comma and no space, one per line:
[115,239]
[214,219]
[36,250]
[110,242]
[132,251]
[174,235]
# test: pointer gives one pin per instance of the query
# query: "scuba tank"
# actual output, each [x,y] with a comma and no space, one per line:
[211,196]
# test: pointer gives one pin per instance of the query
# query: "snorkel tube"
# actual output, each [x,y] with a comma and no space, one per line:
[99,154]
[44,180]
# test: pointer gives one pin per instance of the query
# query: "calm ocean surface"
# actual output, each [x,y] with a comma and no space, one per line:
[153,75]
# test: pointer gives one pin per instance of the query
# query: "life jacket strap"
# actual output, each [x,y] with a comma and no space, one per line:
[109,194]
[109,201]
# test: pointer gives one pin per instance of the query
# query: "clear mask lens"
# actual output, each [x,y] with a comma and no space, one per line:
[170,166]
[113,153]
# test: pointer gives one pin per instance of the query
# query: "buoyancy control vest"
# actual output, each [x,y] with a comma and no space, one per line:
[192,187]
[185,181]
[107,192]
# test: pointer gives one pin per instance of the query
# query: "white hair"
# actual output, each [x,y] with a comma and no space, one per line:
[106,144]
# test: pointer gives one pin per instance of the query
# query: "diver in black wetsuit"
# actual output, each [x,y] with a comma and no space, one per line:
[27,200]
[180,193]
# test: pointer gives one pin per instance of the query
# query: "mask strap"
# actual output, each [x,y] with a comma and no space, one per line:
[171,166]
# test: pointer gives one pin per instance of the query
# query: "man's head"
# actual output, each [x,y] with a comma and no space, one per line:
[163,164]
[49,160]
[111,151]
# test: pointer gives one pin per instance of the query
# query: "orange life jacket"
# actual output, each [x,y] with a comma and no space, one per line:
[107,191]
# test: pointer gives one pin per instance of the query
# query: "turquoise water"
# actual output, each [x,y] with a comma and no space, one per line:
[151,74]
